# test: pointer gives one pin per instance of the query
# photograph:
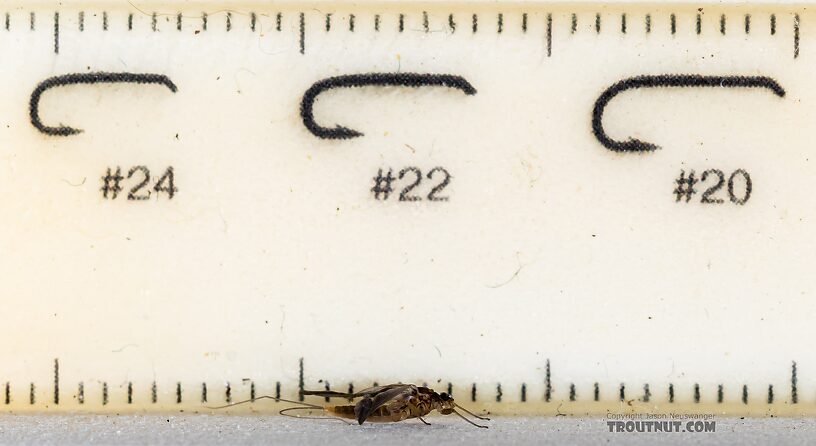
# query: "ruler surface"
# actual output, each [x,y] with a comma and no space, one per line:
[544,208]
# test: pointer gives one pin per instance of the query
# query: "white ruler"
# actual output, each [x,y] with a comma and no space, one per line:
[546,207]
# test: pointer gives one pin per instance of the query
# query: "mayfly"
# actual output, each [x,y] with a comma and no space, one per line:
[381,404]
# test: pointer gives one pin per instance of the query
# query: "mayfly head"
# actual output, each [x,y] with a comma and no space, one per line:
[446,404]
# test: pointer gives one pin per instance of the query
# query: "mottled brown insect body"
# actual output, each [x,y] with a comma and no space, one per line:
[381,415]
[381,404]
[392,403]
[413,402]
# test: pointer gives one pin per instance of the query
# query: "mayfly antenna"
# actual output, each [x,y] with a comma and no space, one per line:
[471,413]
[471,422]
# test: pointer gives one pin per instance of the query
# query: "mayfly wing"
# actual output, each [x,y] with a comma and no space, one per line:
[370,403]
[371,391]
[327,393]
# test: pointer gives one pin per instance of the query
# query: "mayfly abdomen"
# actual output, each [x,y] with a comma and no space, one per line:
[341,411]
[381,415]
[385,415]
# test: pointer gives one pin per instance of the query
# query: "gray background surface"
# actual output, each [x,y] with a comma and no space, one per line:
[277,430]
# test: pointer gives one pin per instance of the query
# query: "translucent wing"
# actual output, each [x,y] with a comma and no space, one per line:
[371,391]
[374,401]
[327,393]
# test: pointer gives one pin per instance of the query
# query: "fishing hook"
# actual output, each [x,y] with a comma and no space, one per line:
[667,80]
[86,78]
[413,80]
